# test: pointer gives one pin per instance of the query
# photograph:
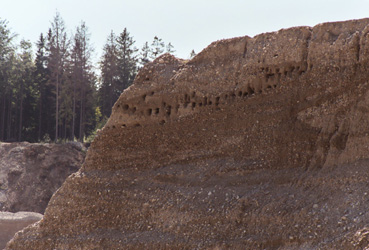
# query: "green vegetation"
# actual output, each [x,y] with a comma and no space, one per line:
[55,93]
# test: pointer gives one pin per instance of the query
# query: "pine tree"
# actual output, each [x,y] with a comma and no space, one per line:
[109,91]
[145,54]
[127,60]
[26,92]
[43,91]
[193,54]
[83,82]
[6,92]
[58,53]
[170,48]
[118,67]
[157,47]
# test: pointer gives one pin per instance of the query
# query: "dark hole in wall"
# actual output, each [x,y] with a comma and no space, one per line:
[250,90]
[169,110]
[125,106]
[149,112]
[217,101]
[157,110]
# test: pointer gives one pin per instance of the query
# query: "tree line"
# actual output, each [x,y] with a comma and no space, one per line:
[55,93]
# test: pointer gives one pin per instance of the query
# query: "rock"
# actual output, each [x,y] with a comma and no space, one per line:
[31,173]
[229,150]
[10,223]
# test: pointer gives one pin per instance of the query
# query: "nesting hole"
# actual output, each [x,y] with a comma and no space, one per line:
[169,110]
[217,101]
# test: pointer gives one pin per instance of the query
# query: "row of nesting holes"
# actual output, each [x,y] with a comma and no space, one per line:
[187,100]
[287,72]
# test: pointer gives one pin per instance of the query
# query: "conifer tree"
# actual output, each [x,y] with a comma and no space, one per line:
[43,91]
[118,69]
[109,91]
[127,59]
[170,48]
[145,54]
[6,93]
[58,52]
[157,47]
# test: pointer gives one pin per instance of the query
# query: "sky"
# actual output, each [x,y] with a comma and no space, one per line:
[187,24]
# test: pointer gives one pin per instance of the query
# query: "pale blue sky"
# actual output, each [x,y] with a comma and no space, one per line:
[187,24]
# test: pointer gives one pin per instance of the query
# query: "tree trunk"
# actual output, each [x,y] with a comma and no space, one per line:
[57,108]
[74,110]
[20,115]
[2,135]
[9,125]
[40,116]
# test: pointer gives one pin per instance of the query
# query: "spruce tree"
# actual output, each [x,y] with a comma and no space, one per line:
[58,53]
[109,91]
[157,47]
[127,60]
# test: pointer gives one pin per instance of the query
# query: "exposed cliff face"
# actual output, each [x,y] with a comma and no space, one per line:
[256,143]
[31,173]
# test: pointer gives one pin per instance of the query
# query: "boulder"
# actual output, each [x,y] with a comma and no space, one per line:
[31,173]
[10,223]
